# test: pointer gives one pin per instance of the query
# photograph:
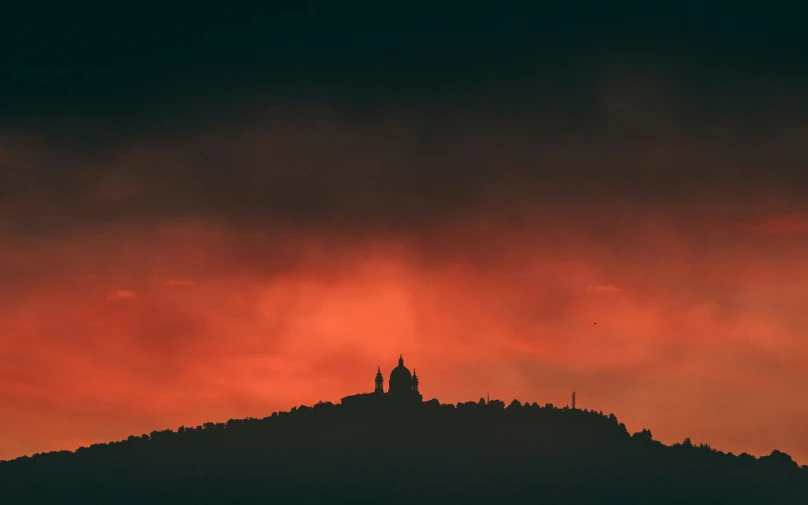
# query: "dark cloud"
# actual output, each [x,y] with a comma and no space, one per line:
[106,61]
[406,170]
[397,119]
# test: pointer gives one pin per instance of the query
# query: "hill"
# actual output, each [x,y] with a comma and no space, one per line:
[425,453]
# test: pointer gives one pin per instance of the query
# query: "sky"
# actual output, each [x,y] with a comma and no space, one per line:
[214,215]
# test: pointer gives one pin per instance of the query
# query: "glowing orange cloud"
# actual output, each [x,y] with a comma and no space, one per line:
[122,294]
[779,225]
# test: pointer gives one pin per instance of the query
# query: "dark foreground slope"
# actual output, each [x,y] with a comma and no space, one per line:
[469,453]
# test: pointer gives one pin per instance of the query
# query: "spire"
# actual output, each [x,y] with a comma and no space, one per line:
[379,380]
[400,360]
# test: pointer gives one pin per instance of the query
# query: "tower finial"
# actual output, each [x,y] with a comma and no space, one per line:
[400,360]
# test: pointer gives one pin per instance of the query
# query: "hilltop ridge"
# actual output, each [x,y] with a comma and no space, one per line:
[473,452]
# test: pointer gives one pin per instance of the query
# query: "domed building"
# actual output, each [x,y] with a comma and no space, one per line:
[403,388]
[401,381]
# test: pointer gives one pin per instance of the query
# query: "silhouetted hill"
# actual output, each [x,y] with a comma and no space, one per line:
[428,453]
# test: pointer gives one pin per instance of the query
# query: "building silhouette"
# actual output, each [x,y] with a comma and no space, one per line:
[402,389]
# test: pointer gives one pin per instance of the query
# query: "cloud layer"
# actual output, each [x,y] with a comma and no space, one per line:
[196,226]
[165,316]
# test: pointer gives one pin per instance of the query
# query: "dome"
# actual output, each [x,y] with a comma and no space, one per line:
[400,378]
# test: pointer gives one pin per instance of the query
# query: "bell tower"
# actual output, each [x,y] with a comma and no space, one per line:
[414,381]
[379,381]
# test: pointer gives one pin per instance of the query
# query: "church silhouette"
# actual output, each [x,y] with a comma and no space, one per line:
[402,390]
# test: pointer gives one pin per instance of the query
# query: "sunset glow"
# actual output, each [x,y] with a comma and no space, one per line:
[123,330]
[188,239]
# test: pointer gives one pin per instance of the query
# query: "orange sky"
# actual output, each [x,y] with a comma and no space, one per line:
[115,330]
[208,215]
